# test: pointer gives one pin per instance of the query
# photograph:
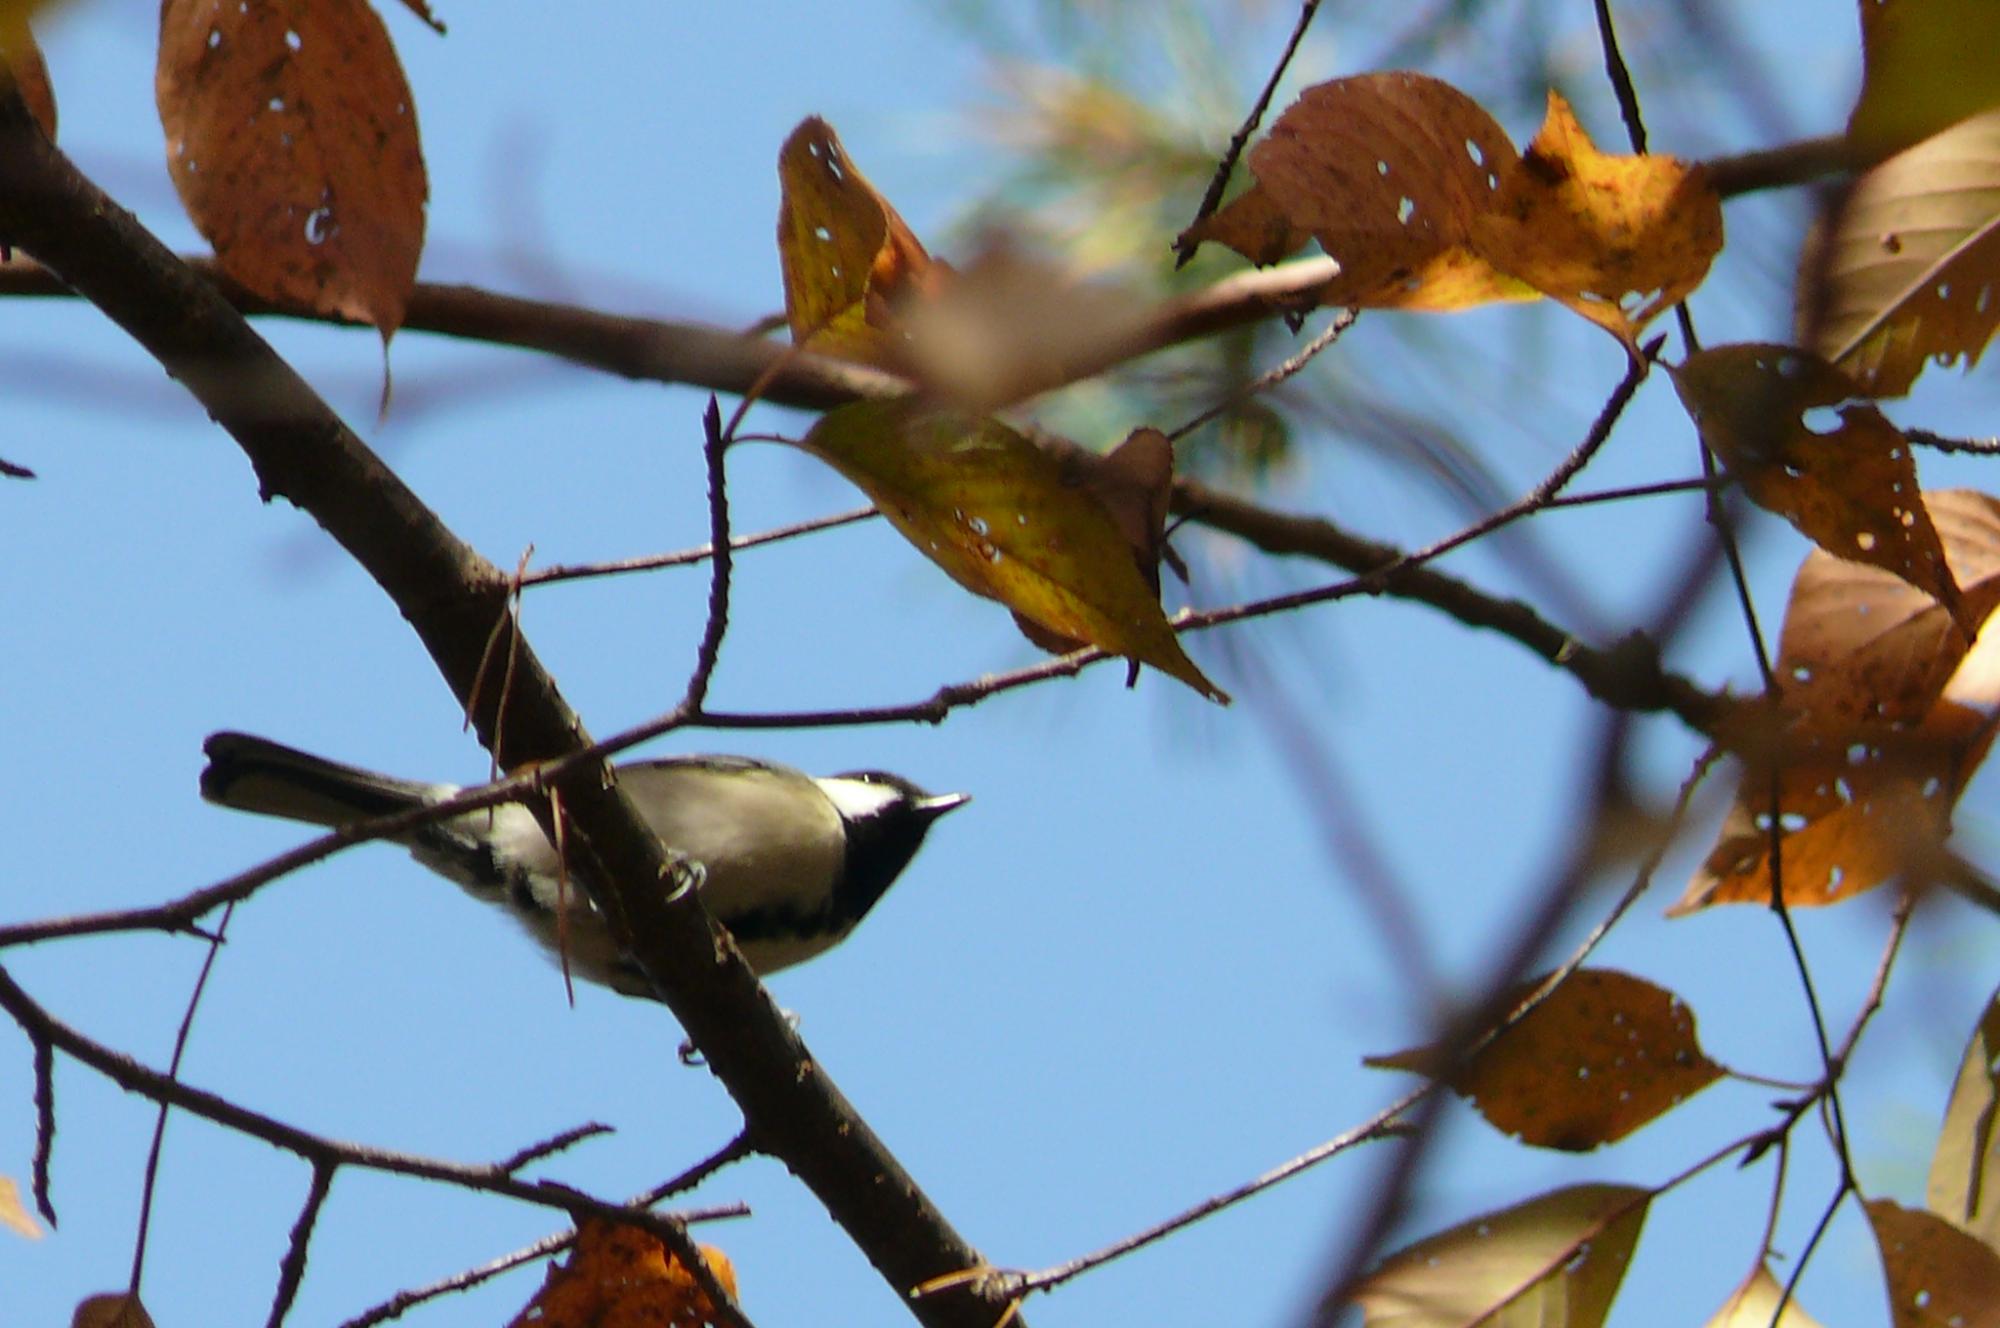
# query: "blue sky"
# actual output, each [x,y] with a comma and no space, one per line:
[1128,976]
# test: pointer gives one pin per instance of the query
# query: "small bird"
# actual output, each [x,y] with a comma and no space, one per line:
[791,863]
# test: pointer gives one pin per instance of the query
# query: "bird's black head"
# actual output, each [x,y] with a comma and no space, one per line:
[887,818]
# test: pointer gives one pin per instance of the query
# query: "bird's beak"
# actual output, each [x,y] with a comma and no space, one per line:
[933,807]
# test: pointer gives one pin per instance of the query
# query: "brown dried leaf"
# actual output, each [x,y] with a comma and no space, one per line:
[1601,1056]
[118,1310]
[1618,239]
[1006,521]
[1905,266]
[1556,1259]
[292,138]
[619,1274]
[1937,1275]
[21,59]
[1418,194]
[846,255]
[1883,716]
[1852,490]
[1927,64]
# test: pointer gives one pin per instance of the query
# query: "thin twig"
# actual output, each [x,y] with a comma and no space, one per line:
[702,553]
[1272,377]
[45,1128]
[292,1269]
[1212,197]
[1621,79]
[551,1146]
[735,1150]
[160,1121]
[713,448]
[1975,446]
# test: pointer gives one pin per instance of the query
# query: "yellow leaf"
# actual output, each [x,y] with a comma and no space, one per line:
[1755,1305]
[846,255]
[1937,1274]
[1006,521]
[13,1213]
[292,138]
[1555,1259]
[1884,714]
[1602,1055]
[1905,267]
[1618,239]
[1426,205]
[1927,64]
[1851,489]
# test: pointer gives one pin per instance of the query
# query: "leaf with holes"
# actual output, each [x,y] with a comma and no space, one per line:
[1419,195]
[1600,1056]
[1964,1186]
[1851,488]
[292,138]
[1926,64]
[1883,715]
[1755,1305]
[1618,239]
[1556,1259]
[1936,1274]
[1905,266]
[847,256]
[1006,521]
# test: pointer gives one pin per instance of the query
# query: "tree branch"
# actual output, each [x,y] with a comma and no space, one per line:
[453,598]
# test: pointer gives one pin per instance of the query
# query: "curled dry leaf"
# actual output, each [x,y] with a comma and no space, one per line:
[1937,1275]
[1904,268]
[292,138]
[623,1275]
[1600,1056]
[1755,1305]
[1926,64]
[1883,714]
[1556,1259]
[846,255]
[1420,196]
[21,60]
[1851,489]
[1964,1186]
[1009,522]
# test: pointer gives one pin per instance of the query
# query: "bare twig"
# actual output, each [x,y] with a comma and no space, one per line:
[714,445]
[1212,197]
[45,1128]
[1975,446]
[292,1268]
[1271,378]
[701,553]
[1621,78]
[576,1134]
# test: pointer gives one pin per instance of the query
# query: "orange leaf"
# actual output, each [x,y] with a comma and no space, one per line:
[1419,195]
[292,138]
[13,1213]
[1883,716]
[847,256]
[1618,239]
[1851,489]
[1937,1274]
[619,1274]
[1009,522]
[1600,1056]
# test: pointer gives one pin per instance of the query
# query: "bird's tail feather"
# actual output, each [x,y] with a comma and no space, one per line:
[257,775]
